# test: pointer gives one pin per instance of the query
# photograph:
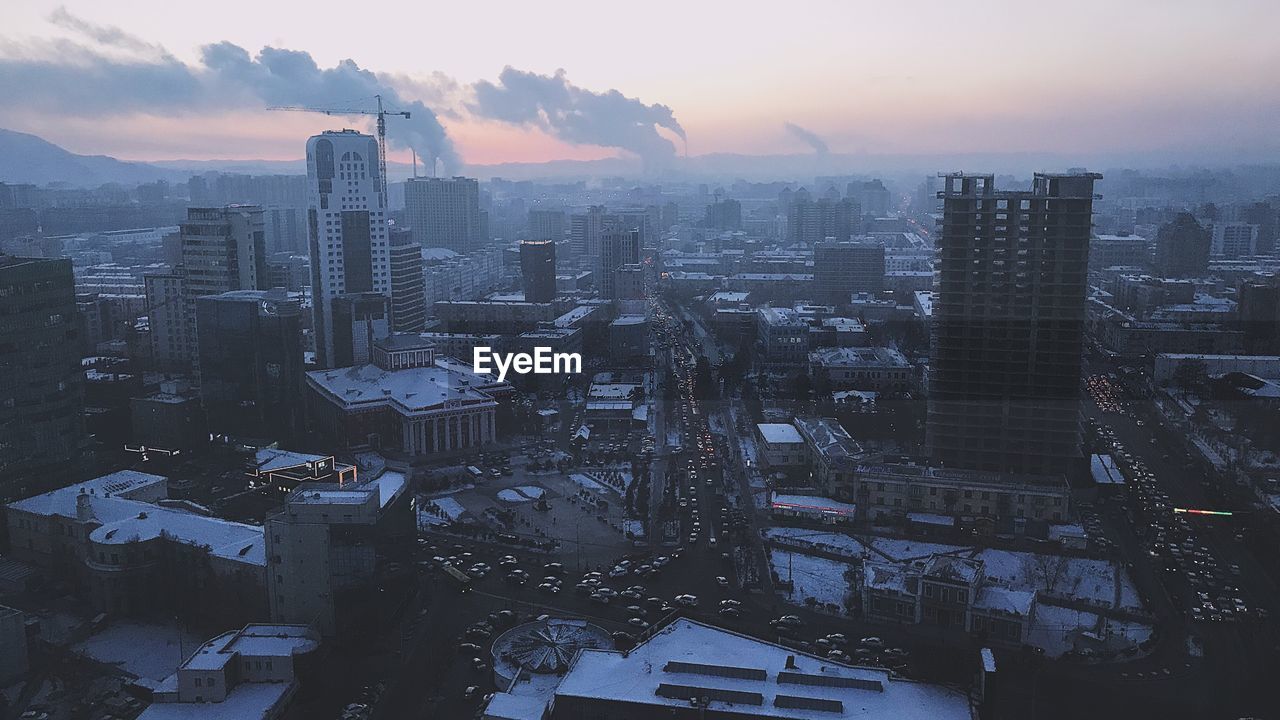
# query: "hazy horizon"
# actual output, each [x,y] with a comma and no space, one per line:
[146,82]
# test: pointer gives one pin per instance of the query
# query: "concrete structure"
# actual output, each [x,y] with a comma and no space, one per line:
[348,236]
[251,673]
[324,548]
[14,662]
[42,430]
[811,222]
[781,446]
[1182,247]
[405,401]
[687,670]
[617,249]
[782,340]
[129,555]
[359,320]
[843,268]
[895,489]
[538,270]
[1008,324]
[172,348]
[251,363]
[875,368]
[546,224]
[408,289]
[444,212]
[1234,239]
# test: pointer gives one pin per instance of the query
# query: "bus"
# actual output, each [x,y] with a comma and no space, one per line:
[461,579]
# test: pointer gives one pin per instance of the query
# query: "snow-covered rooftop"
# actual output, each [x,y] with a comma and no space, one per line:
[779,433]
[409,389]
[751,677]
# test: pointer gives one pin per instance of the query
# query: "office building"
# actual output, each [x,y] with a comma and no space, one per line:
[285,229]
[617,248]
[42,431]
[251,363]
[223,249]
[585,231]
[348,236]
[444,212]
[1008,324]
[171,348]
[1267,218]
[1182,247]
[408,291]
[546,224]
[359,320]
[872,197]
[843,268]
[724,215]
[538,270]
[324,548]
[1234,239]
[811,222]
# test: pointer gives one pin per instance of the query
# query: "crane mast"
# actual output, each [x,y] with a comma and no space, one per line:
[381,115]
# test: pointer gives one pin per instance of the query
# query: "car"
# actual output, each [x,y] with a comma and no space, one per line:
[477,633]
[837,638]
[730,612]
[655,601]
[733,603]
[478,664]
[638,623]
[636,610]
[549,588]
[471,691]
[686,600]
[871,642]
[468,648]
[630,595]
[722,581]
[598,598]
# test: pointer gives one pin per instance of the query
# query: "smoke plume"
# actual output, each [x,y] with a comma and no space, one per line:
[809,137]
[577,115]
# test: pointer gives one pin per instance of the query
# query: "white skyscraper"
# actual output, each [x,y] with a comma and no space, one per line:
[347,228]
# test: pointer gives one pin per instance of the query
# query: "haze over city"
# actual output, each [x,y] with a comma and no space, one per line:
[1153,82]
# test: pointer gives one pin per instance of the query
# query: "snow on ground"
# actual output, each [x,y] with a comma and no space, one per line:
[439,511]
[589,483]
[825,541]
[145,650]
[1058,630]
[1080,578]
[521,494]
[814,577]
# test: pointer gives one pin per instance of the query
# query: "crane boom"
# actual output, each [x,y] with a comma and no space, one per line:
[380,113]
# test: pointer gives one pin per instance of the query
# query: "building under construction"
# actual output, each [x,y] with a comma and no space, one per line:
[1008,324]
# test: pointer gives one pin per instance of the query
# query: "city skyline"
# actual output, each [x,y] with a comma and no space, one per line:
[134,81]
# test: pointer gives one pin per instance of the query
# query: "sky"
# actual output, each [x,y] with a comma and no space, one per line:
[534,81]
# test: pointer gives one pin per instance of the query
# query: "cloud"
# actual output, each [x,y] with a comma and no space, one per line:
[87,79]
[809,137]
[577,115]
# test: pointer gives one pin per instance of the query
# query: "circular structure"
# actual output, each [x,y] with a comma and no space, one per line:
[544,647]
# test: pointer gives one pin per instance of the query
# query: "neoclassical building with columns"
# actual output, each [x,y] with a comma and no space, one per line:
[406,401]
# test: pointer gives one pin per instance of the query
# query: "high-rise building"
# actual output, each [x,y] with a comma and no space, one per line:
[171,347]
[359,320]
[872,196]
[1008,324]
[251,367]
[538,270]
[286,229]
[724,215]
[843,268]
[444,212]
[585,231]
[546,224]
[1182,247]
[42,431]
[1267,218]
[1234,239]
[810,221]
[408,291]
[1259,313]
[223,249]
[347,228]
[617,248]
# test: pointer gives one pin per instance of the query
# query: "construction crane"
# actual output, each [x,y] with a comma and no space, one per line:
[380,113]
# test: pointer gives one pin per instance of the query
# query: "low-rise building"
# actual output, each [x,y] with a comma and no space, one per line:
[879,369]
[781,447]
[249,674]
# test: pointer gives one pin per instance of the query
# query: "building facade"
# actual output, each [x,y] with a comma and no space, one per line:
[444,212]
[1008,324]
[346,228]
